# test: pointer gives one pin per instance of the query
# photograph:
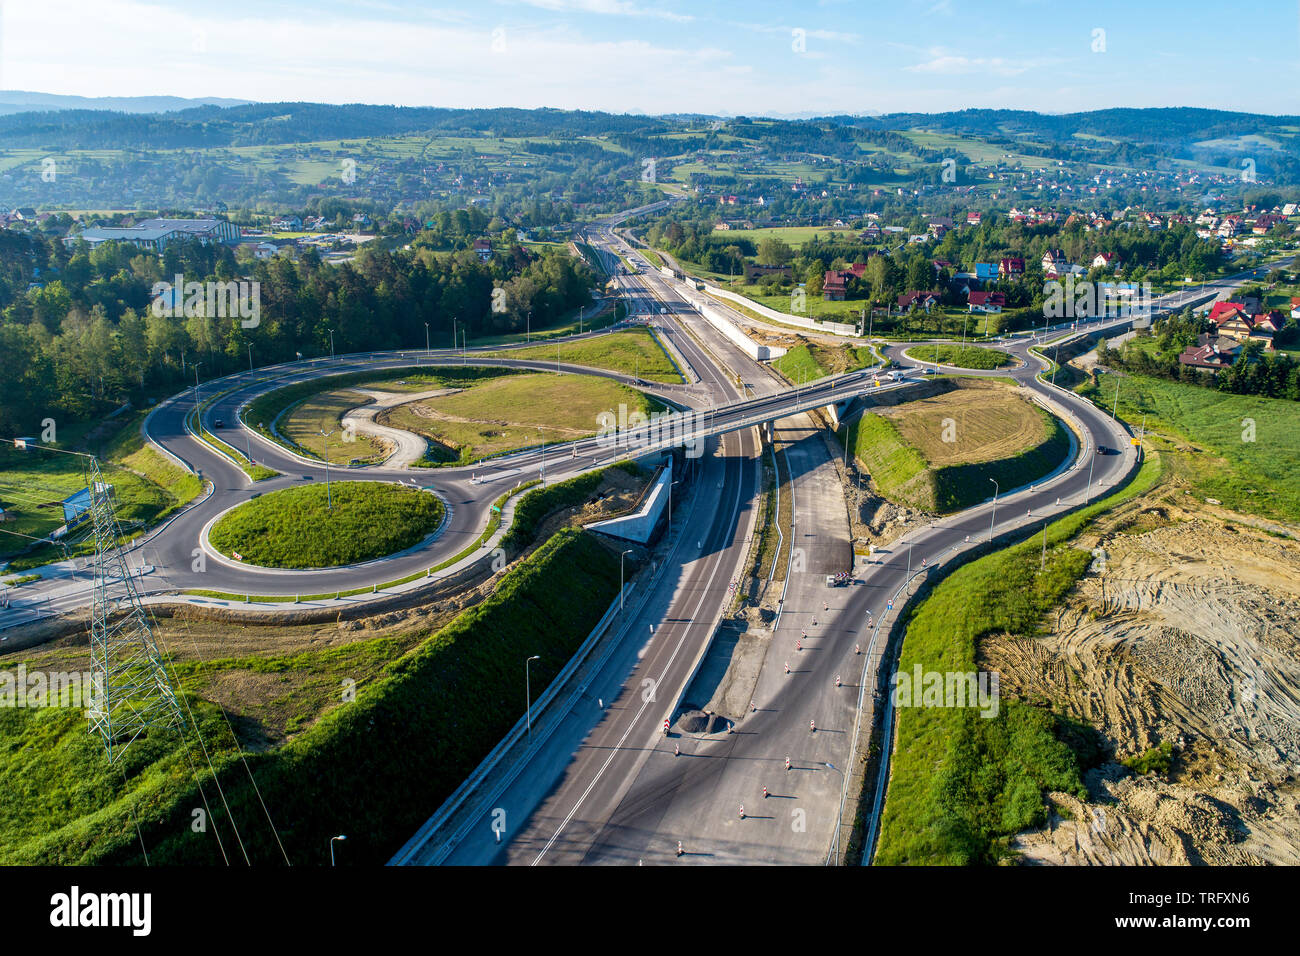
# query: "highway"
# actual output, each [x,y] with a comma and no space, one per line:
[605,785]
[627,794]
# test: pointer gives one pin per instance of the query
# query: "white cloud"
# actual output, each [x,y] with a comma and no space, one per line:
[943,62]
[607,7]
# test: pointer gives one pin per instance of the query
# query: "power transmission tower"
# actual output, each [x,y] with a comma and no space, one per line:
[131,692]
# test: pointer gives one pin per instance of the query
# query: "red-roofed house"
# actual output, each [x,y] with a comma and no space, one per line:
[1208,356]
[991,302]
[920,300]
[1105,260]
[1232,319]
[1011,268]
[835,284]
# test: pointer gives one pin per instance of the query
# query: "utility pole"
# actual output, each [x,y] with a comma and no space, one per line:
[250,356]
[130,691]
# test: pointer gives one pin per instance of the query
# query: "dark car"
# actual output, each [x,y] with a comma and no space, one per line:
[218,423]
[1103,450]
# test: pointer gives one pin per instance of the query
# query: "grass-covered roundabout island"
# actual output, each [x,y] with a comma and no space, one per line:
[297,528]
[961,356]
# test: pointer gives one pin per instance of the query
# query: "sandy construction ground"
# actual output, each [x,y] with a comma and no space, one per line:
[1185,630]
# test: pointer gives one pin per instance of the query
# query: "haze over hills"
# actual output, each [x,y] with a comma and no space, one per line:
[26,101]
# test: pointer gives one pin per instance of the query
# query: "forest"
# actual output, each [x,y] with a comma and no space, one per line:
[79,335]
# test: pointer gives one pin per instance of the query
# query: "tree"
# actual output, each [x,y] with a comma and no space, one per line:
[774,251]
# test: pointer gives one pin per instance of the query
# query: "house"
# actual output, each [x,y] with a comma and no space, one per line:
[987,302]
[1209,355]
[987,271]
[938,225]
[918,300]
[1229,227]
[23,214]
[286,224]
[1011,268]
[1231,319]
[835,284]
[1055,264]
[1105,260]
[871,233]
[483,248]
[1295,307]
[361,220]
[973,218]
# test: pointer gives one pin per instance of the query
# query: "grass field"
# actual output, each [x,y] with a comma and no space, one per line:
[518,411]
[961,784]
[264,409]
[323,412]
[811,360]
[422,719]
[296,527]
[939,453]
[634,352]
[147,488]
[961,356]
[793,236]
[1215,448]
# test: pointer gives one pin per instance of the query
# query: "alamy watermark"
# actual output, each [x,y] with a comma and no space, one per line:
[923,688]
[1085,299]
[240,299]
[623,429]
[77,689]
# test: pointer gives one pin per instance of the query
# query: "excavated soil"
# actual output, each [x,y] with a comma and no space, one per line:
[1184,630]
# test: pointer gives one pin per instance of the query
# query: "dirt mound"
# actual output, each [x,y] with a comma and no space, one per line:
[1184,631]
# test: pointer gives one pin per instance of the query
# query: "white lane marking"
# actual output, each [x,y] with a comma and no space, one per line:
[644,704]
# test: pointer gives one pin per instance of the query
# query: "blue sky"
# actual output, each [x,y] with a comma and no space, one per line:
[755,57]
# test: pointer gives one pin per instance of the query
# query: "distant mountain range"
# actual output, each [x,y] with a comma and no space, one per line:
[23,101]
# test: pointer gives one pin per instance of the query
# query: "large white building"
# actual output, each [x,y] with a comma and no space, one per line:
[156,233]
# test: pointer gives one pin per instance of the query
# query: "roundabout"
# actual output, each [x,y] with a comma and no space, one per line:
[316,527]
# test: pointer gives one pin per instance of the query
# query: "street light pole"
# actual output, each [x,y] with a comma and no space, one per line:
[835,842]
[331,332]
[528,696]
[994,512]
[341,836]
[250,356]
[620,579]
[325,451]
[543,434]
